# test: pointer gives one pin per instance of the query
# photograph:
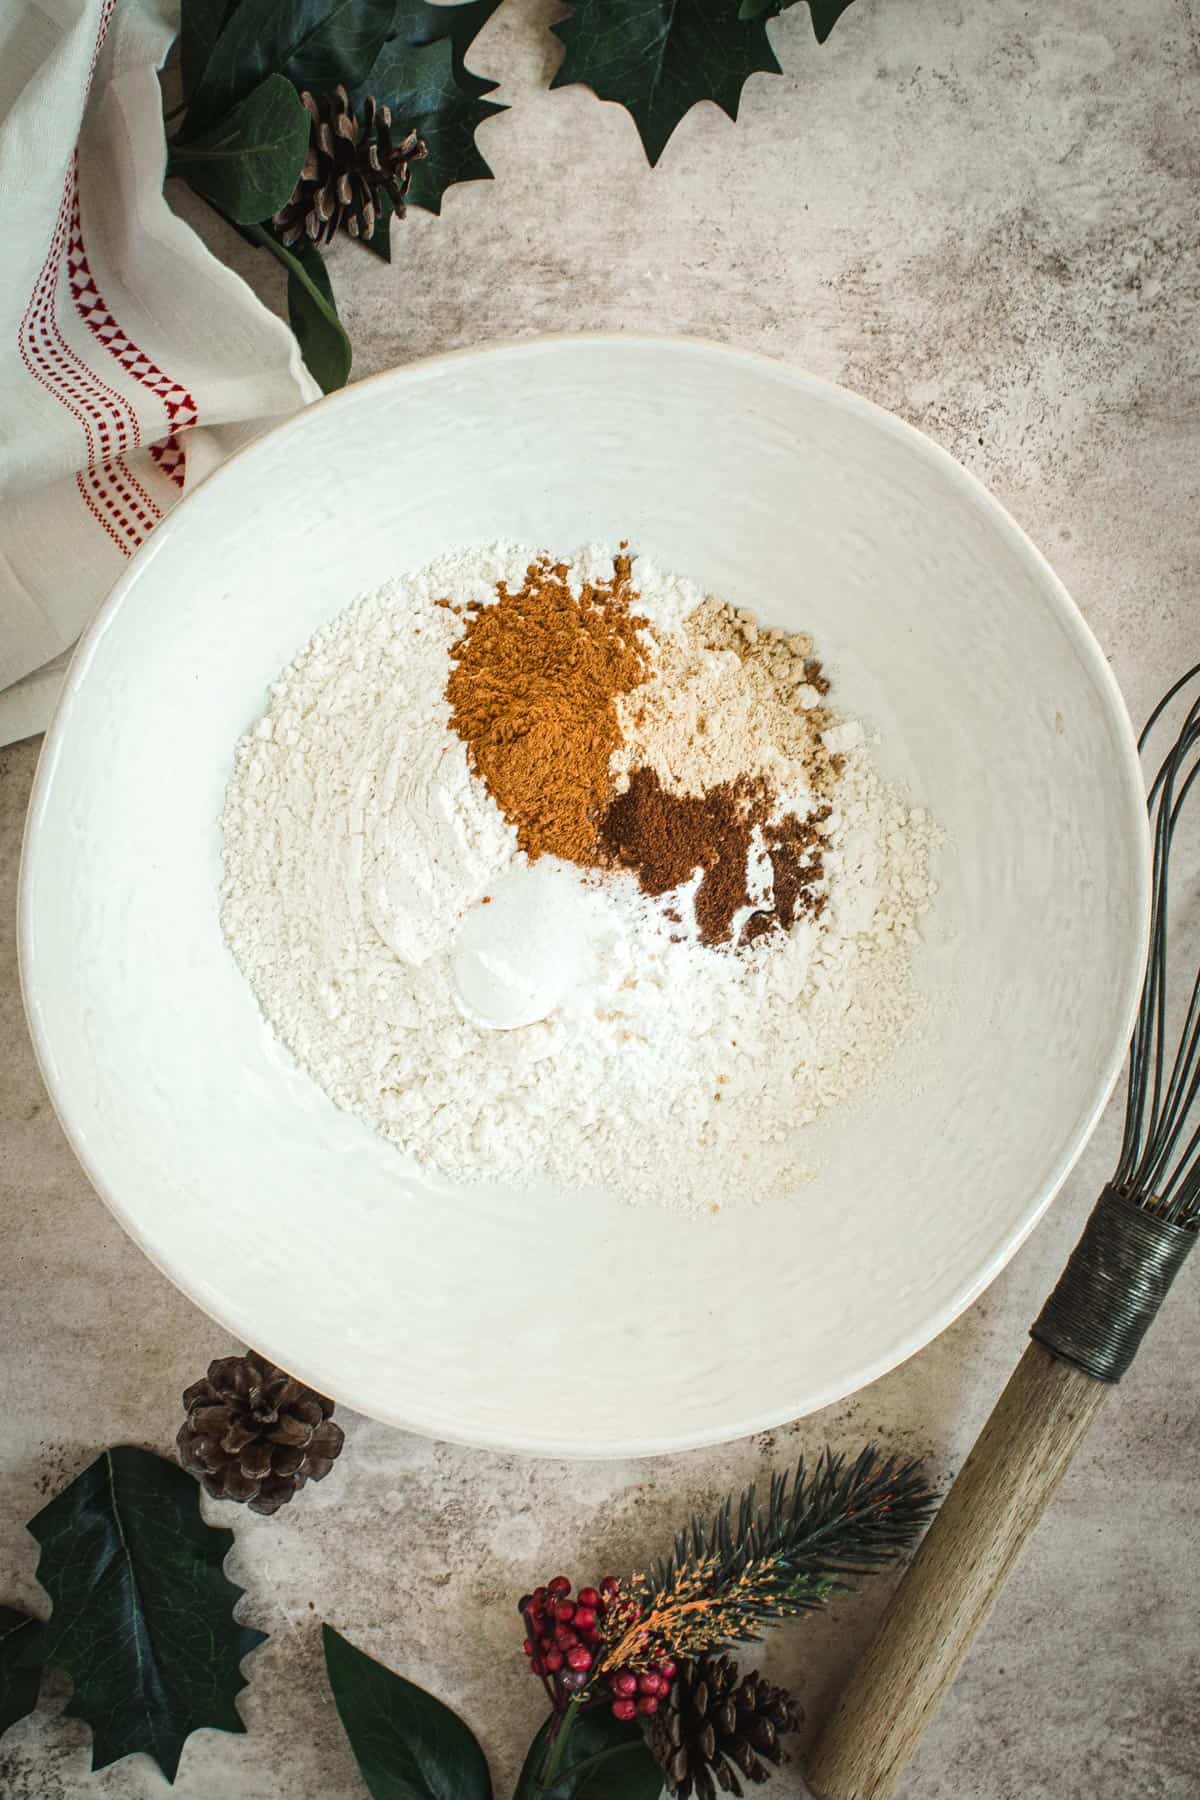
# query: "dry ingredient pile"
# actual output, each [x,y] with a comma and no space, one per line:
[565,869]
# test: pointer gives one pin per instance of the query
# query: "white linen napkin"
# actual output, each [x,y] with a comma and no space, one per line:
[131,360]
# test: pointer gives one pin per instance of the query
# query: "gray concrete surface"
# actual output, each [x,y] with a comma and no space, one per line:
[985,218]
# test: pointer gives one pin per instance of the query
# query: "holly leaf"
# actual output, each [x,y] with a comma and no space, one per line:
[604,1759]
[19,1680]
[657,58]
[824,13]
[315,43]
[248,164]
[408,1746]
[201,24]
[143,1615]
[419,86]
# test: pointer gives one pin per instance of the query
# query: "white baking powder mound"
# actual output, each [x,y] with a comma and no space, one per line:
[499,1020]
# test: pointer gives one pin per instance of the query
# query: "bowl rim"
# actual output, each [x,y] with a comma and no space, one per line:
[907,1343]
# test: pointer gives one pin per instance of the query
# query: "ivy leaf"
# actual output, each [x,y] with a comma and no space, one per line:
[248,164]
[380,241]
[659,57]
[408,1746]
[19,1680]
[315,43]
[313,316]
[200,25]
[824,13]
[419,86]
[419,23]
[604,1759]
[143,1615]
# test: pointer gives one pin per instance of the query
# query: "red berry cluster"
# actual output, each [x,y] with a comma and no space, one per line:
[564,1639]
[642,1692]
[564,1633]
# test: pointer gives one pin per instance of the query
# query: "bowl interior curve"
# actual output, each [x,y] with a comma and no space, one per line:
[422,1302]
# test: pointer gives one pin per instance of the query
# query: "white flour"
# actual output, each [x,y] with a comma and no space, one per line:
[359,849]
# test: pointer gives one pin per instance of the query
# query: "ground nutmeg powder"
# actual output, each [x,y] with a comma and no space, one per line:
[666,837]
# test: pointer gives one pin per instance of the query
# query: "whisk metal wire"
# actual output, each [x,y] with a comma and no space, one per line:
[1147,1220]
[1157,1120]
[1137,1238]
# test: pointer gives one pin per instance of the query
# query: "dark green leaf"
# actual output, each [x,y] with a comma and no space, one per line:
[312,309]
[200,25]
[603,1760]
[20,1679]
[315,43]
[346,44]
[659,57]
[380,241]
[417,23]
[313,316]
[419,86]
[407,1744]
[824,13]
[248,164]
[143,1616]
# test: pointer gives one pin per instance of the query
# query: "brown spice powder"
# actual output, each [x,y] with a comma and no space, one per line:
[539,692]
[794,846]
[666,837]
[533,694]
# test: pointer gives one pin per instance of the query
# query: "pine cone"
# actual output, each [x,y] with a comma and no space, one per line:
[350,165]
[718,1724]
[252,1433]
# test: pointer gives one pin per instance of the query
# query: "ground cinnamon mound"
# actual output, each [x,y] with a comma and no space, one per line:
[533,695]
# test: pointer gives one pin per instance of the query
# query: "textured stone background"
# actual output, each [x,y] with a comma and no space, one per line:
[984,217]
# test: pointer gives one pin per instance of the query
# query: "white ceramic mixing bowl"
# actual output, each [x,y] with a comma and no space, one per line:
[543,1319]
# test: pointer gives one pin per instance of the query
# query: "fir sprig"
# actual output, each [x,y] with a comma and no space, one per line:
[769,1560]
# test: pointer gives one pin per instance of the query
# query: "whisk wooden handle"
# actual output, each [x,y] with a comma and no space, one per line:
[954,1579]
[1141,1231]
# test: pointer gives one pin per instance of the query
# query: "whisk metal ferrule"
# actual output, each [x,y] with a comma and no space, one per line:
[1112,1287]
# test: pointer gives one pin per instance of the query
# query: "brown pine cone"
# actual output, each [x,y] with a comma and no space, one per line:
[716,1725]
[254,1434]
[351,164]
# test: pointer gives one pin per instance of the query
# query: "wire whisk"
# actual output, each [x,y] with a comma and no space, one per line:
[1154,1171]
[1137,1239]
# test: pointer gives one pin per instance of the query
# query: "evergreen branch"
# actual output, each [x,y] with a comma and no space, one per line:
[844,1518]
[770,1560]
